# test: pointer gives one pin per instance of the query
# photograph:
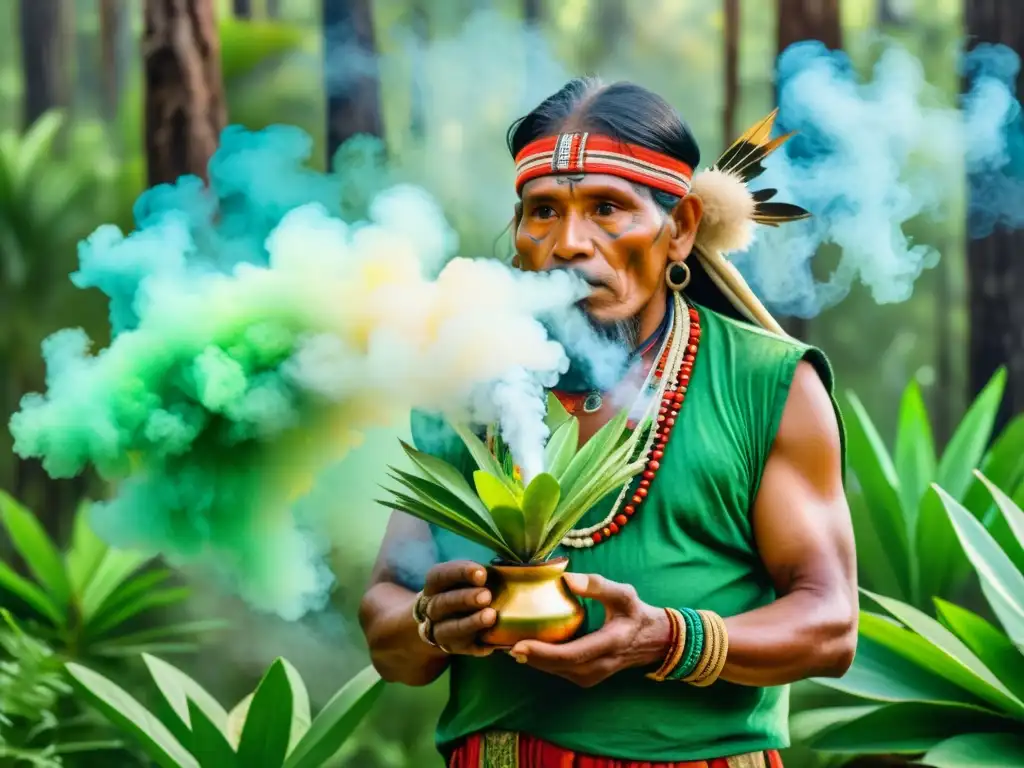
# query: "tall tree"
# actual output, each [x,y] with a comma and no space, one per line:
[732,73]
[806,20]
[185,110]
[113,25]
[351,72]
[995,270]
[44,56]
[242,9]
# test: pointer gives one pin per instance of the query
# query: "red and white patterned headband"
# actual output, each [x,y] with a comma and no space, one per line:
[593,153]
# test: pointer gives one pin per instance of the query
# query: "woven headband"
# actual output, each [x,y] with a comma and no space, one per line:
[593,153]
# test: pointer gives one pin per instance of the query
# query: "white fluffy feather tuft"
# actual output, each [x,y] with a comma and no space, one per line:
[727,224]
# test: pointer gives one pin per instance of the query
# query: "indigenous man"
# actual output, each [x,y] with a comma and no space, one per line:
[727,570]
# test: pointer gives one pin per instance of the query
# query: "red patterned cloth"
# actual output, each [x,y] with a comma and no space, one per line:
[523,751]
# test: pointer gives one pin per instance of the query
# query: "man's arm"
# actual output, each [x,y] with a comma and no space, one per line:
[385,613]
[805,538]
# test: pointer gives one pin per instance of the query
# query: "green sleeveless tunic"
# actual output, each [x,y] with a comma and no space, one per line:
[690,545]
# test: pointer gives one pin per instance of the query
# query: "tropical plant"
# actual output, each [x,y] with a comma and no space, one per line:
[85,601]
[34,729]
[270,728]
[950,689]
[906,547]
[521,523]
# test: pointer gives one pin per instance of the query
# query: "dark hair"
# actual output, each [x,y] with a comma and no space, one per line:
[624,111]
[634,115]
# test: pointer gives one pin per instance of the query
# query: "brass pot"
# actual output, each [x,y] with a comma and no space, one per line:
[533,602]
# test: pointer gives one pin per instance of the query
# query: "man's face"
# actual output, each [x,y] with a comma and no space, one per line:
[607,229]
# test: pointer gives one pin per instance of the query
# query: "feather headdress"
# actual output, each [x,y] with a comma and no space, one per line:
[731,210]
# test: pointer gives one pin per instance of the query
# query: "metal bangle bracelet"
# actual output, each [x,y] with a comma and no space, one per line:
[419,608]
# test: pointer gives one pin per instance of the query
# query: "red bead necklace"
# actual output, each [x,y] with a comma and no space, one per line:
[668,412]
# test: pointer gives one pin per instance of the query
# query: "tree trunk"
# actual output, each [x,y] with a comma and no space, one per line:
[533,12]
[185,110]
[44,57]
[806,20]
[732,75]
[421,32]
[351,74]
[995,271]
[242,9]
[113,24]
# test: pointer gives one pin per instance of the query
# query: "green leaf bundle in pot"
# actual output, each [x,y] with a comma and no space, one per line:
[523,523]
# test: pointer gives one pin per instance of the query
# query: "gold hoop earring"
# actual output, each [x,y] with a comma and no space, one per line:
[677,275]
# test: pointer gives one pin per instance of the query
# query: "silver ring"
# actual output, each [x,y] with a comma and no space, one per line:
[419,608]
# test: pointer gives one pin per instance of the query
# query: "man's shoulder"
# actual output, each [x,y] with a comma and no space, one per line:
[755,349]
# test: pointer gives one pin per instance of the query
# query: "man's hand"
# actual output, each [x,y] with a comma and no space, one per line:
[634,635]
[458,607]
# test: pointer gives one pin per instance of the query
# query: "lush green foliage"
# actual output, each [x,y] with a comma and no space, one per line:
[85,601]
[951,689]
[521,524]
[906,547]
[270,728]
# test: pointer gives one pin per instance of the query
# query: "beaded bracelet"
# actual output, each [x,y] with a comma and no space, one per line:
[698,646]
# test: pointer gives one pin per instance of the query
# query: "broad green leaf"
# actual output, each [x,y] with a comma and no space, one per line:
[556,415]
[445,519]
[994,648]
[879,484]
[300,705]
[806,725]
[569,515]
[439,494]
[481,455]
[116,566]
[86,552]
[539,503]
[129,592]
[426,508]
[181,630]
[268,725]
[967,446]
[494,492]
[924,654]
[874,569]
[156,599]
[32,595]
[178,689]
[1003,466]
[903,728]
[941,638]
[593,452]
[452,479]
[512,524]
[37,550]
[1011,512]
[978,750]
[915,448]
[337,720]
[35,145]
[118,706]
[881,674]
[236,720]
[1001,582]
[561,447]
[942,563]
[208,744]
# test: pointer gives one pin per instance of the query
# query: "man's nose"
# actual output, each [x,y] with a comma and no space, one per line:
[573,242]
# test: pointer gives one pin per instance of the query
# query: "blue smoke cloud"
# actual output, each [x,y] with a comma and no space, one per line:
[871,156]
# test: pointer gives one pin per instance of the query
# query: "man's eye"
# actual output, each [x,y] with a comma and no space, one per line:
[605,209]
[543,211]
